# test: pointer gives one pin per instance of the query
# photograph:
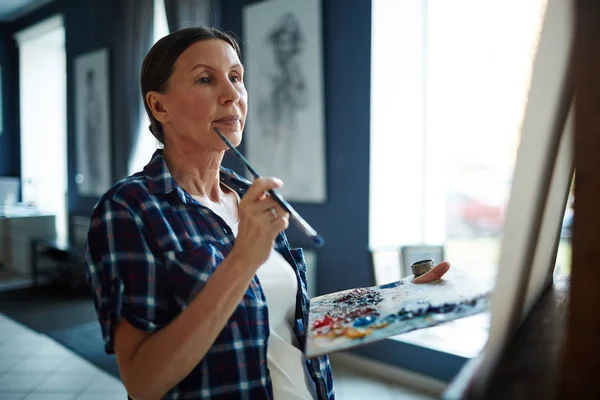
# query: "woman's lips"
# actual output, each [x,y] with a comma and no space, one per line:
[230,120]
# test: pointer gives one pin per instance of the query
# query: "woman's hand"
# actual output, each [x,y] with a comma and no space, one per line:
[261,220]
[433,274]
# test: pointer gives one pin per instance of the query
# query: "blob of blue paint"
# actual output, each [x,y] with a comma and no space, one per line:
[364,321]
[391,285]
[405,315]
[391,318]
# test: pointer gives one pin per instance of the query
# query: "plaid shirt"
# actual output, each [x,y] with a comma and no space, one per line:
[151,248]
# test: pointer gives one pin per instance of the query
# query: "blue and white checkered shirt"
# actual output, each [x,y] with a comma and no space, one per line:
[151,248]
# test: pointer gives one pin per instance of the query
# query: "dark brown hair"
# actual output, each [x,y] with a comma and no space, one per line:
[160,61]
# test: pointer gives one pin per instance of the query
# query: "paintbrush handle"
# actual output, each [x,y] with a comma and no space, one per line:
[294,216]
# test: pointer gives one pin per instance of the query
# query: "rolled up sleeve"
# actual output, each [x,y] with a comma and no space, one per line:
[123,271]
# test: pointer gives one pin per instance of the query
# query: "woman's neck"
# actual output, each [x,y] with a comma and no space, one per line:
[195,171]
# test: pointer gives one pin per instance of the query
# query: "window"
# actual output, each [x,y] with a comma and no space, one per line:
[447,105]
[147,144]
[449,84]
[42,95]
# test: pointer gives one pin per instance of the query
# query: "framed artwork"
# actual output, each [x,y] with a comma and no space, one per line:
[285,132]
[92,116]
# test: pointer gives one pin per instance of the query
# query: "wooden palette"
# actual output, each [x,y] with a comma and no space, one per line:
[359,316]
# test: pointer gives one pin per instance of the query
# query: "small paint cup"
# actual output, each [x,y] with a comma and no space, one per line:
[421,267]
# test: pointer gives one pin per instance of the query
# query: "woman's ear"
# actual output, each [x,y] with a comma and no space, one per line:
[156,104]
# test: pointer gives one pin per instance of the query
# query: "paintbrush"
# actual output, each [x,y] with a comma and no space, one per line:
[295,217]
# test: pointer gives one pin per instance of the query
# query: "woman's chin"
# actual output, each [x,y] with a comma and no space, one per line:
[234,136]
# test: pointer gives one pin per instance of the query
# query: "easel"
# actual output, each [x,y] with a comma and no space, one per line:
[538,198]
[581,363]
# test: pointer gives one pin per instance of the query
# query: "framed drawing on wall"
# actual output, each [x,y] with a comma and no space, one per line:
[92,116]
[285,133]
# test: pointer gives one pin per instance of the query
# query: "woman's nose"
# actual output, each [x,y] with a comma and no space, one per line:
[229,94]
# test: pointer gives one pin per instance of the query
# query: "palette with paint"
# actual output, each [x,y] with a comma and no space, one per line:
[359,316]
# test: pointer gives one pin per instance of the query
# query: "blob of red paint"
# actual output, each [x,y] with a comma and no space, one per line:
[325,321]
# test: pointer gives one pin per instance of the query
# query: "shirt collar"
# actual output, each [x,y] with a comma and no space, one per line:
[160,180]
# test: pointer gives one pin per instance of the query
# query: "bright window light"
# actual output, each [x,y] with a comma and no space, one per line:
[147,144]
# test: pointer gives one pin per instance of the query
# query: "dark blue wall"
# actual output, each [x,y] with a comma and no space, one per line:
[10,164]
[343,221]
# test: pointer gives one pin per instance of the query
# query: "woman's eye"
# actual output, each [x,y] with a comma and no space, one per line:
[236,78]
[204,80]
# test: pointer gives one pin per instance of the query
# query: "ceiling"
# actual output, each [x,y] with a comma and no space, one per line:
[13,9]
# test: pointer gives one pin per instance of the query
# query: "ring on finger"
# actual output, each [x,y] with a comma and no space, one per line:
[273,212]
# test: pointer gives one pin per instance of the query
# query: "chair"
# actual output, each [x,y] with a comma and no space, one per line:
[64,257]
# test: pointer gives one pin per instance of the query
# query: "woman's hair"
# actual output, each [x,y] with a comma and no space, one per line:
[159,64]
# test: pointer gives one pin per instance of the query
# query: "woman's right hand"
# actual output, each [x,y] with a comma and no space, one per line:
[261,220]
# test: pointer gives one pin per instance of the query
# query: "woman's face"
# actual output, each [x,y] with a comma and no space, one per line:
[205,91]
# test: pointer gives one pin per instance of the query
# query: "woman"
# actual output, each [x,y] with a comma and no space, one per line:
[188,262]
[173,251]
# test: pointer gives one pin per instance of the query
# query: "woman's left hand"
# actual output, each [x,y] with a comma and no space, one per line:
[434,274]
